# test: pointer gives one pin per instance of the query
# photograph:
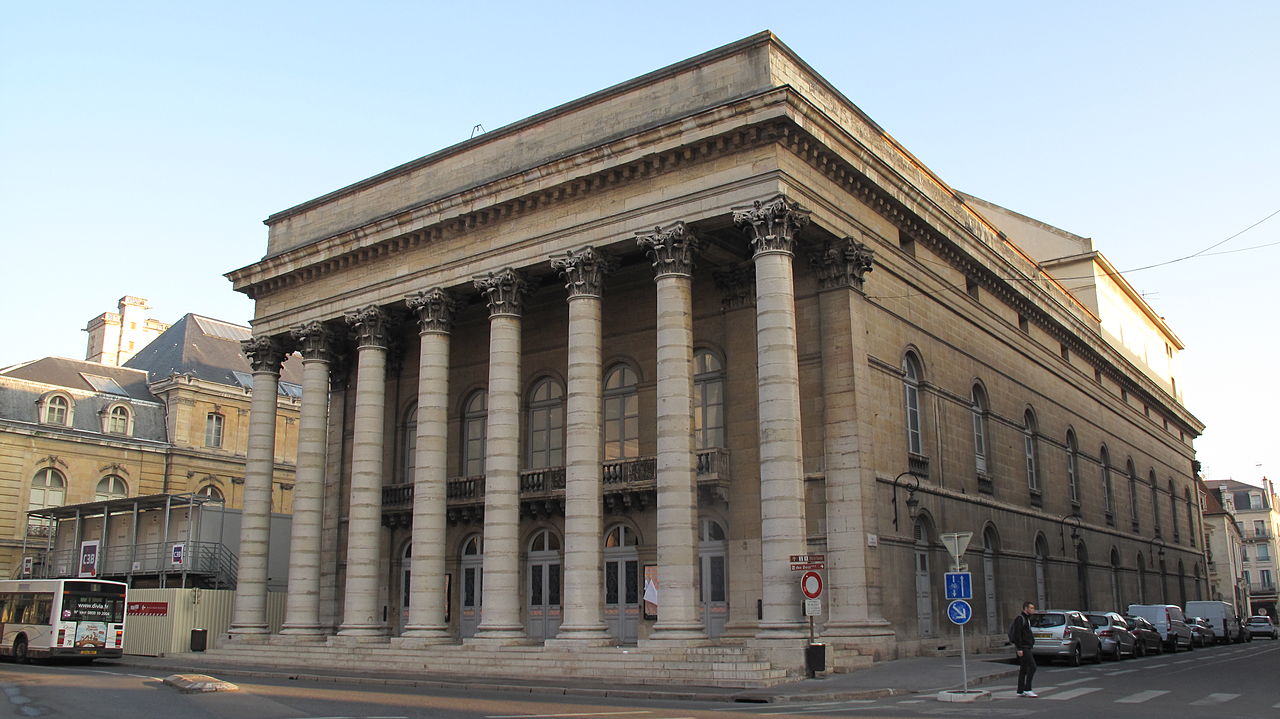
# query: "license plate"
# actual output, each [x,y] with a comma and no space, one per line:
[88,651]
[1043,635]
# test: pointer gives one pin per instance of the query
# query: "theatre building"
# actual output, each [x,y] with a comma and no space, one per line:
[603,376]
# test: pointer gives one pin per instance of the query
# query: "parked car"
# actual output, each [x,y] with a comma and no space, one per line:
[1113,630]
[1202,634]
[1258,627]
[1064,634]
[1147,639]
[1222,617]
[1169,620]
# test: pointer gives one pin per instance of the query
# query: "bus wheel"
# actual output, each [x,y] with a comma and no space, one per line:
[20,654]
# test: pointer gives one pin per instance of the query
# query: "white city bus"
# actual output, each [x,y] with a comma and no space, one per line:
[81,618]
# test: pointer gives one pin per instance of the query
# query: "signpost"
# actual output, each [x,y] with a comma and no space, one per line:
[959,585]
[811,587]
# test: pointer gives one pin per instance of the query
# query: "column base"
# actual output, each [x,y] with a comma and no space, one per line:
[248,635]
[671,639]
[362,630]
[299,635]
[581,637]
[782,630]
[352,640]
[248,629]
[303,631]
[495,640]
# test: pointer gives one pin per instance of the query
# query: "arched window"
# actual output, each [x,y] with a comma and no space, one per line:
[546,425]
[211,492]
[620,535]
[708,400]
[1191,518]
[911,376]
[118,420]
[57,410]
[990,549]
[544,540]
[408,444]
[1133,492]
[1031,449]
[979,408]
[1108,493]
[213,429]
[111,487]
[474,415]
[1073,469]
[1173,512]
[1155,501]
[621,414]
[48,489]
[1115,577]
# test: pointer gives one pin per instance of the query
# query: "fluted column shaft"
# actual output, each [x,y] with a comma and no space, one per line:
[583,522]
[430,475]
[501,587]
[854,596]
[302,605]
[672,250]
[360,616]
[250,614]
[772,227]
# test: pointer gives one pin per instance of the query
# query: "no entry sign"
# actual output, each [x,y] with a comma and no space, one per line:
[811,585]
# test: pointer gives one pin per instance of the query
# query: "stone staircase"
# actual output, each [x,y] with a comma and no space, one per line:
[718,666]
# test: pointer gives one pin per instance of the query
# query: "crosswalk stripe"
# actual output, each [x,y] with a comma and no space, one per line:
[1073,693]
[1142,696]
[1214,699]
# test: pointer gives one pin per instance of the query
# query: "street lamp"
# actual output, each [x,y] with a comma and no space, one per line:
[1075,530]
[912,502]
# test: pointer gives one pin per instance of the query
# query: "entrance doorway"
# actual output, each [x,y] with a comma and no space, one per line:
[713,590]
[924,587]
[622,584]
[469,591]
[544,585]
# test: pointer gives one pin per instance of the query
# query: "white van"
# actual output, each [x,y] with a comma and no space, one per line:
[1226,624]
[1169,620]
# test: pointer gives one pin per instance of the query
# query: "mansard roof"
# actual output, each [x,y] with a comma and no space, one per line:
[83,376]
[204,348]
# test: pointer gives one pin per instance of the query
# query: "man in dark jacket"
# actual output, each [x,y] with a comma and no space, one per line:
[1024,640]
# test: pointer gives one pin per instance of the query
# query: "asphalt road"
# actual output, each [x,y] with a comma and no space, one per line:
[1221,682]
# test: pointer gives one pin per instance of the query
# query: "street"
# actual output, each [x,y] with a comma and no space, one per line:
[1230,681]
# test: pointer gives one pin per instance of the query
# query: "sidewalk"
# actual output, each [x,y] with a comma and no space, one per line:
[903,676]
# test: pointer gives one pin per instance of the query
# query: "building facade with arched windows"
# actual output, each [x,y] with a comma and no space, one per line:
[664,339]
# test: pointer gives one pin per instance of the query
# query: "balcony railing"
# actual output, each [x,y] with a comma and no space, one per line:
[213,561]
[1257,589]
[546,487]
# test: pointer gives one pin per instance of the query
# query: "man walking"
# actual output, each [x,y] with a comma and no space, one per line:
[1024,640]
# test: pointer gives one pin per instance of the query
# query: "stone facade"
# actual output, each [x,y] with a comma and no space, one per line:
[815,347]
[1257,516]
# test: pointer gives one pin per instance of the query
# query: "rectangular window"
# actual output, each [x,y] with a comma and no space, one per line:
[979,443]
[213,430]
[1259,528]
[1264,576]
[1072,485]
[1264,552]
[915,443]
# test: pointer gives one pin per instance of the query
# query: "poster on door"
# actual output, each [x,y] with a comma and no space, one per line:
[89,558]
[651,591]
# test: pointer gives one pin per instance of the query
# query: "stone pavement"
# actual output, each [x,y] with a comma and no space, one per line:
[916,675]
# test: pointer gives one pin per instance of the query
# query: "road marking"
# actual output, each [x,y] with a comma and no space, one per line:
[1073,693]
[1214,699]
[825,707]
[550,716]
[1142,696]
[1075,681]
[1119,672]
[1185,661]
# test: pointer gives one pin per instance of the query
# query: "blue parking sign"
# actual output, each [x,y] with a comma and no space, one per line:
[959,585]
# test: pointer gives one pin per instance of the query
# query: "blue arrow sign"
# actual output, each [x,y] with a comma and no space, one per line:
[959,612]
[959,585]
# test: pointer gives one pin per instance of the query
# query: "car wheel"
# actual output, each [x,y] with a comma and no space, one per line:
[1097,657]
[1074,660]
[20,653]
[1140,649]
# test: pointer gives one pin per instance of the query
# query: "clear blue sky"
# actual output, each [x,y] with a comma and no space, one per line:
[142,144]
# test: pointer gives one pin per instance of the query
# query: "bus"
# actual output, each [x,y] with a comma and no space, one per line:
[47,618]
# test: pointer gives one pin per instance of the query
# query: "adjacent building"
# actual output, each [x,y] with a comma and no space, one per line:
[611,373]
[100,438]
[1257,520]
[1225,552]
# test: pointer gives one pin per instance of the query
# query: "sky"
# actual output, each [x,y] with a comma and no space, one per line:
[142,144]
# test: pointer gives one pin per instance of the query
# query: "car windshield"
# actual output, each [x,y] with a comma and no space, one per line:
[1048,620]
[1099,620]
[1259,620]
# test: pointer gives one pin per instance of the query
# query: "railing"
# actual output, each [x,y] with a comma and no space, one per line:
[541,482]
[212,559]
[38,528]
[1257,588]
[630,473]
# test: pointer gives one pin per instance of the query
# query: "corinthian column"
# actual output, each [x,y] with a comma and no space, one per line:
[434,309]
[852,569]
[583,272]
[302,605]
[771,228]
[265,356]
[672,250]
[361,616]
[504,292]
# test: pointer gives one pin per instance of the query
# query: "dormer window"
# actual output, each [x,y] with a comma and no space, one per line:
[56,409]
[118,420]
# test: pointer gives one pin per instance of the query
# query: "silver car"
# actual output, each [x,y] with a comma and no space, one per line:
[1065,634]
[1113,630]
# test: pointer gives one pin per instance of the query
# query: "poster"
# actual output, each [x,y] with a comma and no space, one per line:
[651,591]
[89,558]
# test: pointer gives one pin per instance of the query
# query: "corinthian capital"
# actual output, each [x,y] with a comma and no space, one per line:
[771,226]
[583,271]
[434,309]
[504,291]
[842,264]
[265,354]
[671,249]
[370,326]
[315,340]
